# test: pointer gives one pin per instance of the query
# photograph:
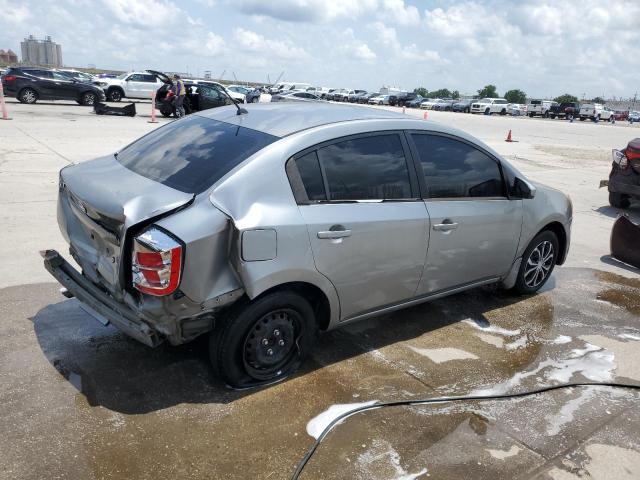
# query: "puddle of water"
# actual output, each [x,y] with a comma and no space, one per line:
[316,425]
[382,457]
[441,355]
[502,454]
[621,297]
[562,339]
[567,412]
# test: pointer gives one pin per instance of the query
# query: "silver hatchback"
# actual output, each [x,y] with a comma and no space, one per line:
[266,226]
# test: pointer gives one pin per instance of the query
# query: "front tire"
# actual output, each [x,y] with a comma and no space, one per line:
[263,341]
[115,95]
[88,99]
[28,96]
[537,263]
[619,200]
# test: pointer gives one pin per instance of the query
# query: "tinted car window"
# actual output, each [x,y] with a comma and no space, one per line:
[367,168]
[190,155]
[454,169]
[309,169]
[148,78]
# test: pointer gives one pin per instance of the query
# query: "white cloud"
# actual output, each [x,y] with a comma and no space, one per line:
[389,37]
[254,42]
[144,13]
[397,12]
[214,44]
[14,13]
[362,51]
[305,10]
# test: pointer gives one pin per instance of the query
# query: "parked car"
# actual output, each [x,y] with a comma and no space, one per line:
[321,92]
[463,105]
[489,106]
[595,111]
[353,97]
[203,226]
[624,179]
[198,97]
[517,109]
[379,100]
[237,97]
[294,97]
[428,103]
[445,105]
[415,102]
[250,95]
[342,94]
[365,98]
[565,110]
[620,115]
[397,99]
[29,85]
[407,98]
[540,108]
[634,116]
[133,85]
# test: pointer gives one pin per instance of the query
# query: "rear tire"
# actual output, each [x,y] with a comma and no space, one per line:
[619,200]
[115,95]
[88,99]
[263,341]
[28,96]
[537,264]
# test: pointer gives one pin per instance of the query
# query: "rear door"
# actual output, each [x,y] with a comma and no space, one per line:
[368,229]
[475,227]
[209,97]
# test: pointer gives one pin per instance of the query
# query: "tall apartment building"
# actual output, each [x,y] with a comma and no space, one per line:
[8,56]
[41,52]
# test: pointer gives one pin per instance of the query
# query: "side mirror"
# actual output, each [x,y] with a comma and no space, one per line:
[523,189]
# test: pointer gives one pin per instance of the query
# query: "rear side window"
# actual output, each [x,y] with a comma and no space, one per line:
[366,168]
[309,169]
[190,155]
[454,169]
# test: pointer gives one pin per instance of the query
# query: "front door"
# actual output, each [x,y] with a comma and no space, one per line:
[475,228]
[209,97]
[368,229]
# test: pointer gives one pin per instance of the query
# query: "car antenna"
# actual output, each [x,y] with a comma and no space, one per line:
[240,110]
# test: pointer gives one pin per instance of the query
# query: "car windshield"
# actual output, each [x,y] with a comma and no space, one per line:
[192,154]
[122,76]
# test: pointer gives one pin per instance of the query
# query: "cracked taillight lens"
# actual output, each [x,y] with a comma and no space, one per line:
[156,262]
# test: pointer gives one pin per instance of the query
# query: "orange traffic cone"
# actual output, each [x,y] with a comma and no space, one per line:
[425,116]
[509,137]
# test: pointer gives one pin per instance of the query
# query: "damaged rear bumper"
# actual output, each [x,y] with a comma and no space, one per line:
[86,292]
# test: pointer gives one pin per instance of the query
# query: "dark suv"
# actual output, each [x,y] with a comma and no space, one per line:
[624,179]
[199,96]
[29,85]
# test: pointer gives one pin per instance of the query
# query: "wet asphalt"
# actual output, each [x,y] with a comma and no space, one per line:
[81,400]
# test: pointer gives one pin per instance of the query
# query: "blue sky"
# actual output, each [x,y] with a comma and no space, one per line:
[545,48]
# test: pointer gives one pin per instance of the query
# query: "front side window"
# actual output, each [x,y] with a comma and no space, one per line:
[366,168]
[190,155]
[454,169]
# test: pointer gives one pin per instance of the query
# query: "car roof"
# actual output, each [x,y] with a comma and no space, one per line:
[282,119]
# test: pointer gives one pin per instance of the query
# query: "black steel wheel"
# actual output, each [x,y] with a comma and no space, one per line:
[538,262]
[28,95]
[263,341]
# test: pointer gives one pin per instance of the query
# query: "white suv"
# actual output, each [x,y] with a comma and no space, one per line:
[489,106]
[595,111]
[133,85]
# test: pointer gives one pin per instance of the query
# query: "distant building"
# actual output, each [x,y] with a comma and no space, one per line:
[8,56]
[41,52]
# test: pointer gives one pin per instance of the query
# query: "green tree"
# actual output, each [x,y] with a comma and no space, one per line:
[598,100]
[423,92]
[515,96]
[489,91]
[566,98]
[455,94]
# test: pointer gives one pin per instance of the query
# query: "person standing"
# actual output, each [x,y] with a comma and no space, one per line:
[180,92]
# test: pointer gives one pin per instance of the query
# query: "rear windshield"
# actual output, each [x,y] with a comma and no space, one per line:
[192,154]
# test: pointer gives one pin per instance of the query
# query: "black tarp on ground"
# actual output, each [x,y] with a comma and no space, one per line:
[126,111]
[625,241]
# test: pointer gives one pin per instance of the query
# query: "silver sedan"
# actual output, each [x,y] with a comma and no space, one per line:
[262,226]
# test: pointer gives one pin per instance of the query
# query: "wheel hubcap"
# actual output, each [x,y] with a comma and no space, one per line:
[89,99]
[539,264]
[271,344]
[28,96]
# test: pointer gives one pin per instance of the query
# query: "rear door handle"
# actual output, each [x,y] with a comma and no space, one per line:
[446,226]
[334,234]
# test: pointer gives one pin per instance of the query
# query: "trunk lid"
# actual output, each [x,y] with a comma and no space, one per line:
[98,202]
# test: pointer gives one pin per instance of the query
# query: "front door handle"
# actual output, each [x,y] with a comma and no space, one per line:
[445,226]
[334,234]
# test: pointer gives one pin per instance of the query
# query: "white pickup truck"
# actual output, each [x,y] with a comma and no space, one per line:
[133,85]
[489,106]
[595,111]
[540,108]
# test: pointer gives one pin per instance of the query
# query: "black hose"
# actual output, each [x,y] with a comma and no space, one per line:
[303,462]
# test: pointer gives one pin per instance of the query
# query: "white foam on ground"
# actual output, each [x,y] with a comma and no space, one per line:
[317,425]
[494,340]
[383,451]
[629,336]
[502,454]
[441,355]
[567,412]
[492,328]
[562,339]
[592,362]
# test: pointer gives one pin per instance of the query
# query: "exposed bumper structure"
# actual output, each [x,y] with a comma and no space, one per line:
[86,292]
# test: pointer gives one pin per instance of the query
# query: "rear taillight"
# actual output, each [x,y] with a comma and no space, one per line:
[156,262]
[9,78]
[620,159]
